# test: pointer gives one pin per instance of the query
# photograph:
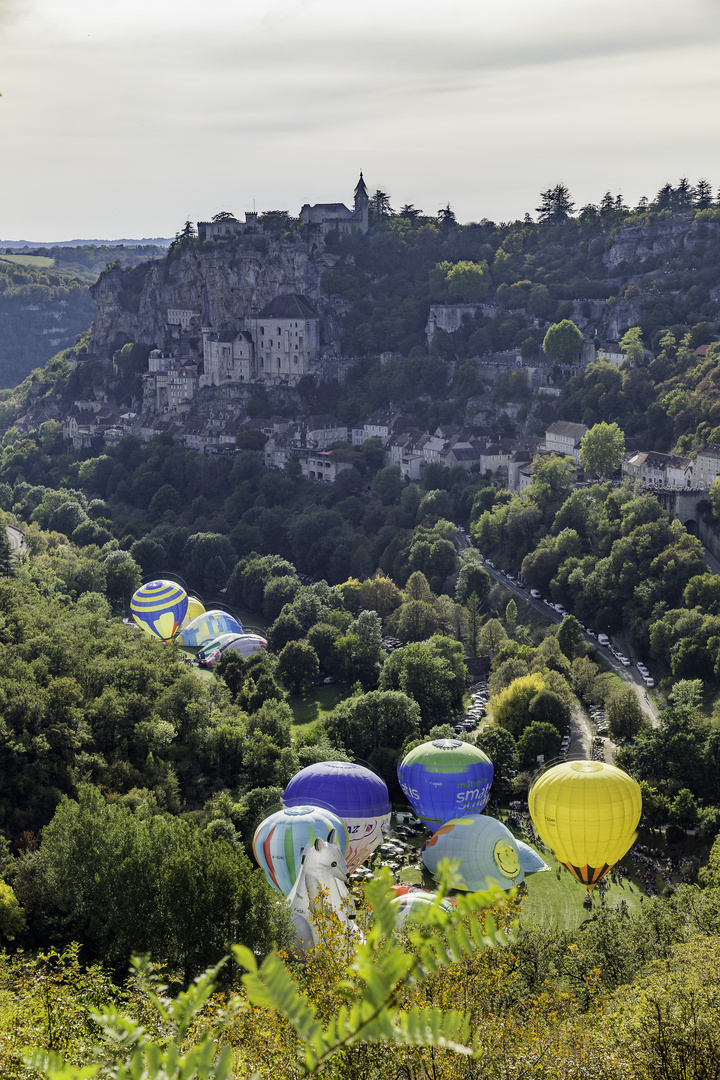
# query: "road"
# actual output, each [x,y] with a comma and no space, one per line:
[16,538]
[629,675]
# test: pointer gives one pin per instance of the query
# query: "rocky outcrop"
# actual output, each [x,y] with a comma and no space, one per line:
[223,281]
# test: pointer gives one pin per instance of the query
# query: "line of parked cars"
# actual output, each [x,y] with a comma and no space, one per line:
[476,711]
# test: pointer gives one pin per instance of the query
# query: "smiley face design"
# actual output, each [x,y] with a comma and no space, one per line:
[506,858]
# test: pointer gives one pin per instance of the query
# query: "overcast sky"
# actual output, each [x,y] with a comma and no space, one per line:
[123,118]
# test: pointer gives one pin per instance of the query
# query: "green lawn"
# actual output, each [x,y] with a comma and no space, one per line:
[40,261]
[317,703]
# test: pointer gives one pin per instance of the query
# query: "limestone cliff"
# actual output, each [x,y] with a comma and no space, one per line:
[221,281]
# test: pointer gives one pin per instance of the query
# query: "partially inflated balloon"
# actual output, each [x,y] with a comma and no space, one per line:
[281,839]
[195,607]
[159,608]
[414,904]
[484,847]
[587,812]
[354,793]
[207,625]
[244,644]
[445,778]
[532,862]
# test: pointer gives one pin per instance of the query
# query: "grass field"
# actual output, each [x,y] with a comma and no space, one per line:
[42,262]
[317,703]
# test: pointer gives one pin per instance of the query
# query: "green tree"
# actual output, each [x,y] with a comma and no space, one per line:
[569,636]
[563,342]
[632,346]
[625,716]
[602,449]
[556,205]
[537,739]
[298,666]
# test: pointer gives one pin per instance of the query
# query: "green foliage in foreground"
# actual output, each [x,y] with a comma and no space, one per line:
[382,974]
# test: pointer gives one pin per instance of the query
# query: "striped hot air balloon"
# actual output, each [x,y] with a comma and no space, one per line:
[281,839]
[159,607]
[351,791]
[206,626]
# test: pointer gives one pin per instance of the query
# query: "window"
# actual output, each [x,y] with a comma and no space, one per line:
[278,363]
[279,331]
[295,360]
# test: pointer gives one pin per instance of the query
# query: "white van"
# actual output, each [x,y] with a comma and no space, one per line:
[648,680]
[603,639]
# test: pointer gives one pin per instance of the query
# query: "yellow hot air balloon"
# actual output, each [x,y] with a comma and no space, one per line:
[587,812]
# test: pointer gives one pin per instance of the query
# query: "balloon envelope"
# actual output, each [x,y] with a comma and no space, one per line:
[244,644]
[414,903]
[532,861]
[280,840]
[354,793]
[213,644]
[195,607]
[159,607]
[208,625]
[587,812]
[485,847]
[445,778]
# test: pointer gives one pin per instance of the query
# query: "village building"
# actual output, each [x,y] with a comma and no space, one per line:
[563,438]
[651,467]
[706,467]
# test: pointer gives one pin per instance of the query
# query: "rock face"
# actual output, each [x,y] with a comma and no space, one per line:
[222,281]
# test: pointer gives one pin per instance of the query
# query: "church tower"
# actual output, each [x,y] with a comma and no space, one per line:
[362,201]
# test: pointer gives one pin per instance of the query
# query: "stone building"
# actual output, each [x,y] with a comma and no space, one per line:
[336,216]
[286,339]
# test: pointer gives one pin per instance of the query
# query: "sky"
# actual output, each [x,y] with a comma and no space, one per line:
[125,118]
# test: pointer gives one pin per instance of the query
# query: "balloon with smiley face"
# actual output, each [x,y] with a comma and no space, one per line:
[485,848]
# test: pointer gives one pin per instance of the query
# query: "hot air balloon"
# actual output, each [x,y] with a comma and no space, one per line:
[532,862]
[281,839]
[445,778]
[159,607]
[587,812]
[414,903]
[194,609]
[351,791]
[242,644]
[212,645]
[485,847]
[206,626]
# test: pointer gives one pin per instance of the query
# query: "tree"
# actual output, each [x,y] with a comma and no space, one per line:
[380,207]
[500,746]
[625,717]
[537,738]
[511,614]
[632,346]
[569,636]
[602,449]
[510,707]
[492,637]
[473,578]
[563,342]
[556,205]
[297,665]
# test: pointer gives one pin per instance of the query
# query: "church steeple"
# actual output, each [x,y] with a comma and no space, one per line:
[362,203]
[360,190]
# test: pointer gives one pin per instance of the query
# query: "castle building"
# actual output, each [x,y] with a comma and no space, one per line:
[329,216]
[227,357]
[286,335]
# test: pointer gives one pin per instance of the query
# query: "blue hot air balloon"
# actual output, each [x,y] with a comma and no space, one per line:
[209,624]
[532,862]
[484,847]
[354,793]
[159,607]
[281,839]
[445,778]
